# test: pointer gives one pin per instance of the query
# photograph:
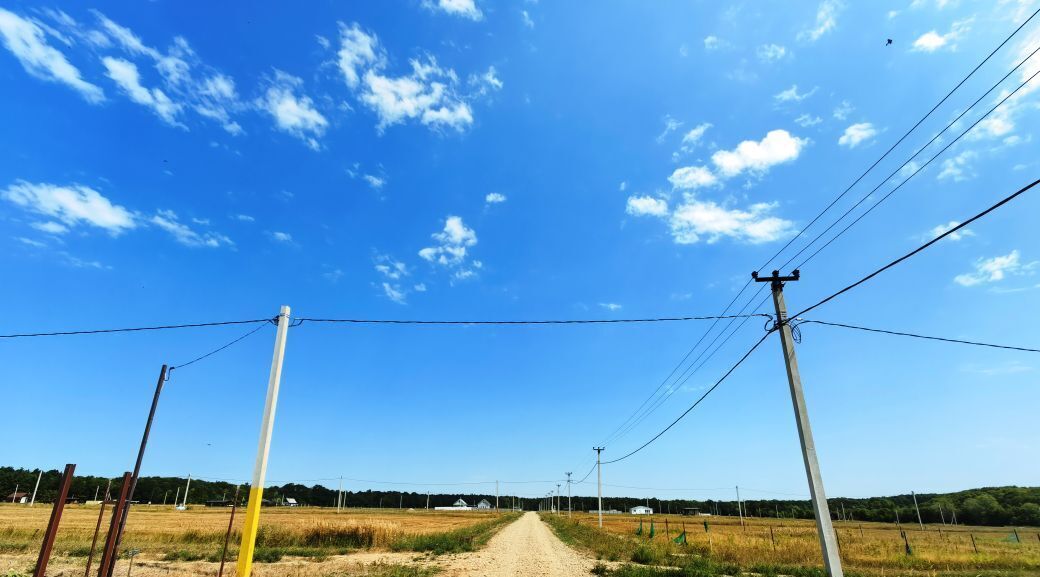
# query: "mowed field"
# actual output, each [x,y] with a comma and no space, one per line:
[191,541]
[872,548]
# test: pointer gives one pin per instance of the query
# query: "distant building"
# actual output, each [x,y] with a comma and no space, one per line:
[641,510]
[605,511]
[484,504]
[218,503]
[18,498]
[291,502]
[459,503]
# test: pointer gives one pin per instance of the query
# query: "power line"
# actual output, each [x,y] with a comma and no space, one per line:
[901,139]
[217,350]
[621,429]
[916,170]
[134,329]
[917,336]
[917,250]
[510,322]
[697,402]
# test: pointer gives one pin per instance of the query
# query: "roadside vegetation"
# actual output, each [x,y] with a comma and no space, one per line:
[790,547]
[461,540]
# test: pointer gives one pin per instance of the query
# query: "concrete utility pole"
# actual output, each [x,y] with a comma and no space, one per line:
[256,490]
[176,496]
[599,484]
[15,494]
[740,509]
[559,507]
[186,487]
[38,477]
[569,507]
[919,522]
[339,495]
[427,499]
[496,496]
[824,527]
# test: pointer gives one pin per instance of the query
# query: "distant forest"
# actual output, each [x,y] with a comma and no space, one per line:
[994,506]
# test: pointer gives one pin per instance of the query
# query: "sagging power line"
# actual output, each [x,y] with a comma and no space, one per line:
[801,322]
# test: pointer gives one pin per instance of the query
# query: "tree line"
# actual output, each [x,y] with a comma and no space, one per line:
[993,506]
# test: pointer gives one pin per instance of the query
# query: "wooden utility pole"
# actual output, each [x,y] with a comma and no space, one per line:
[824,527]
[599,485]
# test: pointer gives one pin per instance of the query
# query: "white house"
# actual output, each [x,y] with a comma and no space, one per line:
[484,504]
[641,510]
[459,505]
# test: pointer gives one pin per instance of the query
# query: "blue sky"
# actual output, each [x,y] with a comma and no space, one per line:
[455,159]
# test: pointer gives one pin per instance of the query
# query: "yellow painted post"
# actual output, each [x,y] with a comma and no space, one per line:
[256,490]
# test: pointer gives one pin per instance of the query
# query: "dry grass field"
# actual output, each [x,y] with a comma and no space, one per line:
[869,548]
[188,540]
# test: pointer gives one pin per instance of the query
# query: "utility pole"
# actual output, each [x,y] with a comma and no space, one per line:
[186,487]
[496,496]
[339,495]
[559,507]
[163,375]
[919,522]
[740,509]
[176,496]
[427,499]
[824,527]
[15,494]
[569,507]
[599,484]
[38,477]
[256,490]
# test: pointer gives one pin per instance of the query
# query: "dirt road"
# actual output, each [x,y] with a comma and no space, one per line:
[526,548]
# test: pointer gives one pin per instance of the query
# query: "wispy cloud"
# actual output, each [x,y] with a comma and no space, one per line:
[826,20]
[26,39]
[857,134]
[69,206]
[167,220]
[995,269]
[293,113]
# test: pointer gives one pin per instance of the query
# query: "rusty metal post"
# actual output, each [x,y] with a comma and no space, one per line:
[227,536]
[93,543]
[140,459]
[108,554]
[52,525]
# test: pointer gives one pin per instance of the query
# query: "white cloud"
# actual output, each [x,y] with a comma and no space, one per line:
[712,43]
[692,177]
[777,147]
[50,227]
[293,114]
[526,19]
[182,233]
[71,205]
[31,242]
[612,307]
[244,218]
[419,288]
[695,220]
[623,186]
[843,110]
[376,182]
[495,198]
[826,20]
[391,268]
[646,206]
[856,134]
[27,40]
[394,293]
[670,126]
[464,8]
[771,52]
[357,49]
[280,236]
[125,74]
[695,134]
[931,41]
[430,94]
[124,36]
[958,168]
[684,51]
[995,269]
[427,95]
[452,248]
[792,94]
[807,120]
[944,228]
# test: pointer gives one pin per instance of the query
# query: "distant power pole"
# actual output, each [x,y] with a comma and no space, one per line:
[740,509]
[186,487]
[427,499]
[38,477]
[824,527]
[339,495]
[919,522]
[496,496]
[599,484]
[569,507]
[176,496]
